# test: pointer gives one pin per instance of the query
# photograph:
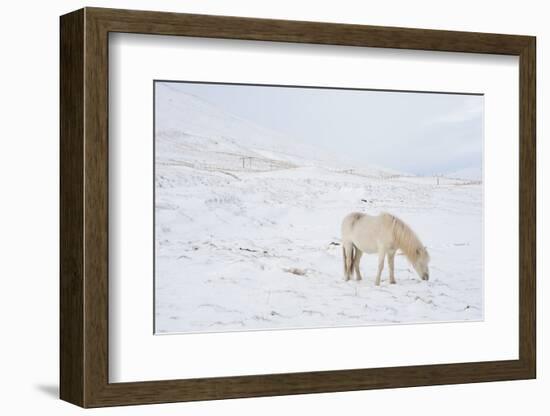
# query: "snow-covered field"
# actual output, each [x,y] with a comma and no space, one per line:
[248,223]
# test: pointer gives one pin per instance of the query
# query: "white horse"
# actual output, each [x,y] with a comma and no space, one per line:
[383,234]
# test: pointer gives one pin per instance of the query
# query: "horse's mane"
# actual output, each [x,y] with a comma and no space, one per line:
[406,239]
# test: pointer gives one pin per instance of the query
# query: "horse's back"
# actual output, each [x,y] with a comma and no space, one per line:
[354,222]
[349,222]
[367,232]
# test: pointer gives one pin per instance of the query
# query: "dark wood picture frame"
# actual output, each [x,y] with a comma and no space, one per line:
[84,207]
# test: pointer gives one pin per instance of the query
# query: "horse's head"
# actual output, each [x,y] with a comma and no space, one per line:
[421,264]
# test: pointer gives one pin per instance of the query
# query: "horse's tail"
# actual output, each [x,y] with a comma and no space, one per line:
[349,258]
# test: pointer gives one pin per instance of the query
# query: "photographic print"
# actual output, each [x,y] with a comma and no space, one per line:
[293,207]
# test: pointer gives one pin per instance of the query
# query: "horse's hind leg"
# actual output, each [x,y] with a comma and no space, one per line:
[347,249]
[356,261]
[381,257]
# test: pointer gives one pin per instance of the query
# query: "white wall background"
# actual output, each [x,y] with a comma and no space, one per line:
[29,209]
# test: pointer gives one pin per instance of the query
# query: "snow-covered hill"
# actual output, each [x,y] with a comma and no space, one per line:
[247,231]
[193,131]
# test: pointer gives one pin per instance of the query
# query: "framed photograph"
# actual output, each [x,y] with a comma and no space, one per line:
[254,207]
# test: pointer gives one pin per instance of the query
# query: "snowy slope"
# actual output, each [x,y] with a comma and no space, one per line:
[247,231]
[193,123]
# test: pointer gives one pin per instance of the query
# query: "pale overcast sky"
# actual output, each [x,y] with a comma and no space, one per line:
[419,133]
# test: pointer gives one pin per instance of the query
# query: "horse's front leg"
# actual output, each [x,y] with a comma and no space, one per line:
[356,261]
[391,264]
[381,257]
